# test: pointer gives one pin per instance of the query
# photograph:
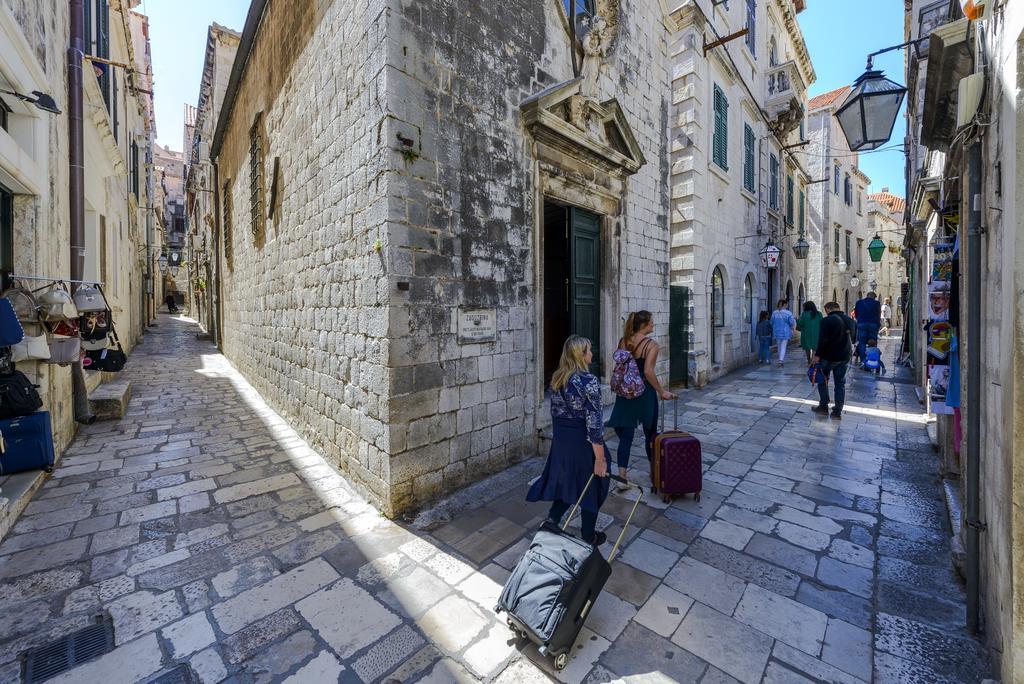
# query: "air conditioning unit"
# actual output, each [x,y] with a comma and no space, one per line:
[968,98]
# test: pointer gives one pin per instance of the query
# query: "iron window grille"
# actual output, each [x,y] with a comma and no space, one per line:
[256,177]
[226,220]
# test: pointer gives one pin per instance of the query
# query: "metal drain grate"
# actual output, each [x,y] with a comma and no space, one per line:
[181,674]
[49,660]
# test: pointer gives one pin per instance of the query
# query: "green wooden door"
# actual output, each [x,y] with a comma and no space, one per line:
[585,280]
[679,334]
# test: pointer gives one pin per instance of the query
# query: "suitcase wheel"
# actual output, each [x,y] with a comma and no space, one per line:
[666,498]
[48,469]
[696,496]
[561,660]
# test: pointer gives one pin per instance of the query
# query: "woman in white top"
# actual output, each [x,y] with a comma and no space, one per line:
[886,316]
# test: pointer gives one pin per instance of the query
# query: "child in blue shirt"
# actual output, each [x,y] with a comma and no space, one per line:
[764,338]
[873,358]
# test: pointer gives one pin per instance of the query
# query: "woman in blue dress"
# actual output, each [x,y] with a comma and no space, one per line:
[642,410]
[577,448]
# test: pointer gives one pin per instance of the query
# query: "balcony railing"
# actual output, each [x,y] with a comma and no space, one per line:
[785,98]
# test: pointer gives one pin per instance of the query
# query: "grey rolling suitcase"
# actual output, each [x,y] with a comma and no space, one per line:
[555,584]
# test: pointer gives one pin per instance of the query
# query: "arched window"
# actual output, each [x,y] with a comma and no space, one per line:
[718,297]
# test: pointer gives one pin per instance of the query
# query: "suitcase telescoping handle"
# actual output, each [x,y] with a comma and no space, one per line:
[625,525]
[675,414]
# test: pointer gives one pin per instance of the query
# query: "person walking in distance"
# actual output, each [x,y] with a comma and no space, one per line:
[886,316]
[833,356]
[643,410]
[577,447]
[783,325]
[764,338]
[808,325]
[868,313]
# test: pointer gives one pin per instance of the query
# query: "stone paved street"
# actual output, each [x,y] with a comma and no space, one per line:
[214,536]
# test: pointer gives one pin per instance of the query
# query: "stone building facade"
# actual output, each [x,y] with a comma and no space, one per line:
[418,202]
[221,46]
[839,230]
[169,168]
[34,179]
[734,187]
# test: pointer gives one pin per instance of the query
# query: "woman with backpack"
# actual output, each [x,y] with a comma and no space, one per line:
[577,447]
[636,387]
[809,325]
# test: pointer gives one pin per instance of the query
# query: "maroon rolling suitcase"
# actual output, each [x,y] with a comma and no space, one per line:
[677,465]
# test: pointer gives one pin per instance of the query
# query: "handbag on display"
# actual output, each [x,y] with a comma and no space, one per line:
[89,298]
[11,332]
[108,359]
[56,304]
[95,326]
[64,328]
[64,350]
[31,348]
[24,302]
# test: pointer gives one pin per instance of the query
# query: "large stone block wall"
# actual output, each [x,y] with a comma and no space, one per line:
[305,305]
[463,209]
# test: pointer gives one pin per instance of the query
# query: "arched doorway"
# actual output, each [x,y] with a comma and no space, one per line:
[749,315]
[846,301]
[835,295]
[789,295]
[717,310]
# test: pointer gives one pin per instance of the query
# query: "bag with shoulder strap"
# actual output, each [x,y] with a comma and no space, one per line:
[89,298]
[108,359]
[24,302]
[18,396]
[626,379]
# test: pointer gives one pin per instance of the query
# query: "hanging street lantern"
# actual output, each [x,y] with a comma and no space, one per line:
[876,248]
[801,247]
[868,114]
[843,266]
[162,261]
[854,281]
[770,255]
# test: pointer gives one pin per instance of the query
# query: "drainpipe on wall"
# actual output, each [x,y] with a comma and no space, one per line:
[76,159]
[974,525]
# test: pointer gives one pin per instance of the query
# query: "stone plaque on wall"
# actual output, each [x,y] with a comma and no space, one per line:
[478,325]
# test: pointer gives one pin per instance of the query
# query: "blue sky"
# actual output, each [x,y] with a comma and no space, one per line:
[839,35]
[177,33]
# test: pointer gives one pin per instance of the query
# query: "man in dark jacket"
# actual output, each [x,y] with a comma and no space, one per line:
[869,319]
[833,355]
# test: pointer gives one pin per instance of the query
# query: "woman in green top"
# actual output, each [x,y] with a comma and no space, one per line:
[809,325]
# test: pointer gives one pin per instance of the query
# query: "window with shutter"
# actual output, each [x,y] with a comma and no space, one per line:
[226,222]
[103,46]
[720,142]
[846,190]
[751,26]
[773,182]
[789,200]
[849,255]
[836,244]
[836,190]
[748,158]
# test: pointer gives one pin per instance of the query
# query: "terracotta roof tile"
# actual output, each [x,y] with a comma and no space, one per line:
[829,98]
[894,203]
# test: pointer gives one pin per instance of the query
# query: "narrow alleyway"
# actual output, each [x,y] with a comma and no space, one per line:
[213,536]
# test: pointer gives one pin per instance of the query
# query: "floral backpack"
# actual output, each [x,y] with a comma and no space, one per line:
[626,379]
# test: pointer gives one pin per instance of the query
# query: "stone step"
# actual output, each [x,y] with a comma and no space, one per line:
[15,493]
[110,400]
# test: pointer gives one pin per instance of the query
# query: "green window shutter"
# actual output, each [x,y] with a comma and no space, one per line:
[773,187]
[720,144]
[748,158]
[789,200]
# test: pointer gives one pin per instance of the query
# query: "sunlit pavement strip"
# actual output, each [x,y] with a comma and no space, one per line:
[213,535]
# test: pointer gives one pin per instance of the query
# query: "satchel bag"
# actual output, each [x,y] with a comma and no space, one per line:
[18,396]
[89,298]
[11,332]
[24,303]
[108,359]
[64,350]
[815,375]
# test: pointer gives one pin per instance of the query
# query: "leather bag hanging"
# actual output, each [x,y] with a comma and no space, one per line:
[24,303]
[108,359]
[56,304]
[64,350]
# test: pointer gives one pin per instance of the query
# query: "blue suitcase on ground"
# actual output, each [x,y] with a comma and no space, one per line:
[28,443]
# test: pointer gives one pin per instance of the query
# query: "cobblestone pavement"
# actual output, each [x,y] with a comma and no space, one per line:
[212,535]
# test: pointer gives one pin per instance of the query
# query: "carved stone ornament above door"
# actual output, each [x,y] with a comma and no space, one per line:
[566,119]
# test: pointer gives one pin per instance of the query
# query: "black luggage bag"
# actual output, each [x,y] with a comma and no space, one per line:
[555,584]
